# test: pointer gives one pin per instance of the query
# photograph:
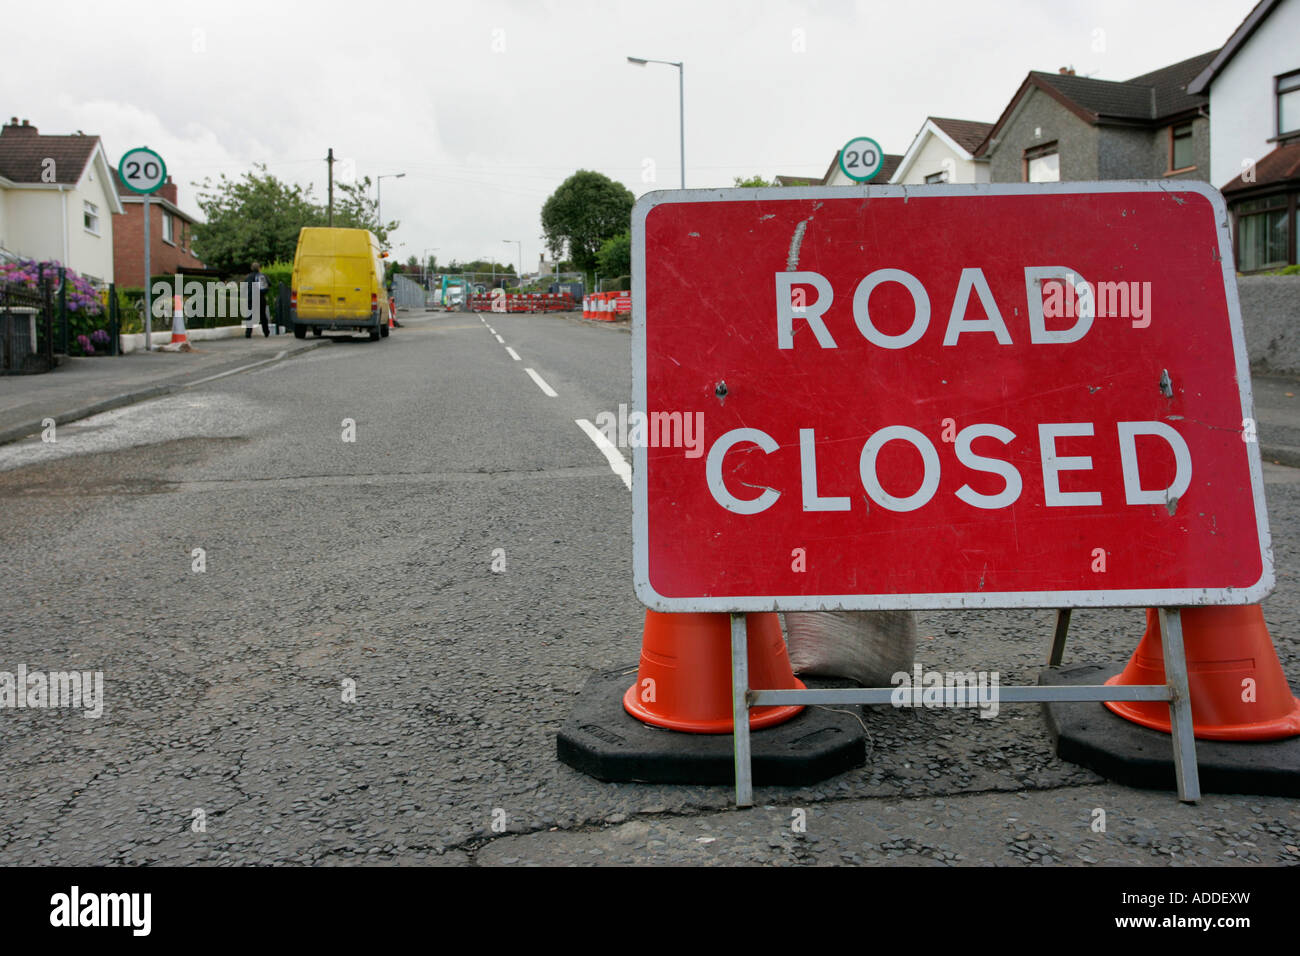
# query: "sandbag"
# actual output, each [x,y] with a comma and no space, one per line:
[865,646]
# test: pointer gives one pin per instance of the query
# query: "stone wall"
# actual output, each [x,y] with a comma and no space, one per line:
[1270,314]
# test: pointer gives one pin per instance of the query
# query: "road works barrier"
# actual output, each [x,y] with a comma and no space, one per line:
[522,302]
[606,306]
[914,401]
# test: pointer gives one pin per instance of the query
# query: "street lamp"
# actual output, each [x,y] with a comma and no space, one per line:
[681,103]
[520,244]
[379,195]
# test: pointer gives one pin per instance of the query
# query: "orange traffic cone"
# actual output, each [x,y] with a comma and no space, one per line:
[684,681]
[1236,683]
[178,321]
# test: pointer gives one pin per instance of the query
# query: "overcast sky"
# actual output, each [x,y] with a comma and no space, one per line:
[488,106]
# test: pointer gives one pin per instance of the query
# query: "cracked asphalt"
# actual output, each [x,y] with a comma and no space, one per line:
[350,681]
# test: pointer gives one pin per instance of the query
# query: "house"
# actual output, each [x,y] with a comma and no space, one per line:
[171,236]
[798,181]
[835,176]
[1060,126]
[1253,84]
[57,200]
[944,152]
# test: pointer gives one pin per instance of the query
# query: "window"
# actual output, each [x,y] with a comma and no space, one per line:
[939,177]
[167,227]
[1180,147]
[90,217]
[1042,164]
[1288,103]
[1263,230]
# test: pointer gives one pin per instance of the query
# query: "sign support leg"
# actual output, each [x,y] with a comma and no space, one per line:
[1058,639]
[1180,707]
[740,710]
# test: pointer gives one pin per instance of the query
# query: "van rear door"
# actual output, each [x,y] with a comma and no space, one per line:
[334,275]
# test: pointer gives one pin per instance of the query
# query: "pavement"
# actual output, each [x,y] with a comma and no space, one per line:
[413,561]
[1277,409]
[80,387]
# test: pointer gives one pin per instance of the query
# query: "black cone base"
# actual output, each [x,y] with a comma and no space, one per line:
[1090,735]
[603,740]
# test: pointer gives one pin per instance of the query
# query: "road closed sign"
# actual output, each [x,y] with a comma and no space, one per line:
[948,396]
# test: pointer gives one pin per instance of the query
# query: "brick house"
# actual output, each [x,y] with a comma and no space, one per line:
[171,236]
[1060,126]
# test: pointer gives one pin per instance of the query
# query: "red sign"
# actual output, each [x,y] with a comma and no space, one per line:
[942,396]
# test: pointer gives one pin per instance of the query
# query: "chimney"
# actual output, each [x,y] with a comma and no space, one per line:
[1066,71]
[13,129]
[168,191]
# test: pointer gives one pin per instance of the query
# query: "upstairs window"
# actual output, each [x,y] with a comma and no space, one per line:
[1288,104]
[90,217]
[939,177]
[167,227]
[1043,164]
[1180,147]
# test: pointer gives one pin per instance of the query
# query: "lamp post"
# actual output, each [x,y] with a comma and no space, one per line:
[520,244]
[681,103]
[379,195]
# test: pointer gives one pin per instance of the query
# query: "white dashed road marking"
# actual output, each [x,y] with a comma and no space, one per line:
[617,462]
[541,383]
[513,354]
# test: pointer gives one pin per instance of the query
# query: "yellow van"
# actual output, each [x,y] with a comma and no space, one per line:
[338,283]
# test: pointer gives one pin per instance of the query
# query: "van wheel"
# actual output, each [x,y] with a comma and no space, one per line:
[383,330]
[374,335]
[300,331]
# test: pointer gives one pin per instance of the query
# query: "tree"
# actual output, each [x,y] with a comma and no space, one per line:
[753,182]
[582,213]
[615,255]
[258,218]
[254,219]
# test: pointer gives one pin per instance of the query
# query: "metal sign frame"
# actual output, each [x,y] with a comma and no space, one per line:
[1174,691]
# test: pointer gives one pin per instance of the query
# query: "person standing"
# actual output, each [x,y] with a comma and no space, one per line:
[257,296]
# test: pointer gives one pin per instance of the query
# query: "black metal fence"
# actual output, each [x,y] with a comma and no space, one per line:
[27,329]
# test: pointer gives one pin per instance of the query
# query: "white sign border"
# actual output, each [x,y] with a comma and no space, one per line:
[1139,597]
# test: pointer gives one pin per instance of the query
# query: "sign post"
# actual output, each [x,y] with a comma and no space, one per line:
[993,396]
[143,171]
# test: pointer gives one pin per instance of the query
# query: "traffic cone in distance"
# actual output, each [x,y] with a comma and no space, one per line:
[1237,688]
[178,321]
[684,680]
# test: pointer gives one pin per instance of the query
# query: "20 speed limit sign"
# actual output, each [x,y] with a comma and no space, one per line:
[861,159]
[142,170]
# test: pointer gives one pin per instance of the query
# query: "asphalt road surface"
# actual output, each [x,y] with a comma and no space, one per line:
[354,675]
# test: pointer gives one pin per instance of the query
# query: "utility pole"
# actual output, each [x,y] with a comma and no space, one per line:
[329,161]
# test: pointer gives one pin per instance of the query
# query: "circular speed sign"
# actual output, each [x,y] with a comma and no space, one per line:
[861,158]
[142,170]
